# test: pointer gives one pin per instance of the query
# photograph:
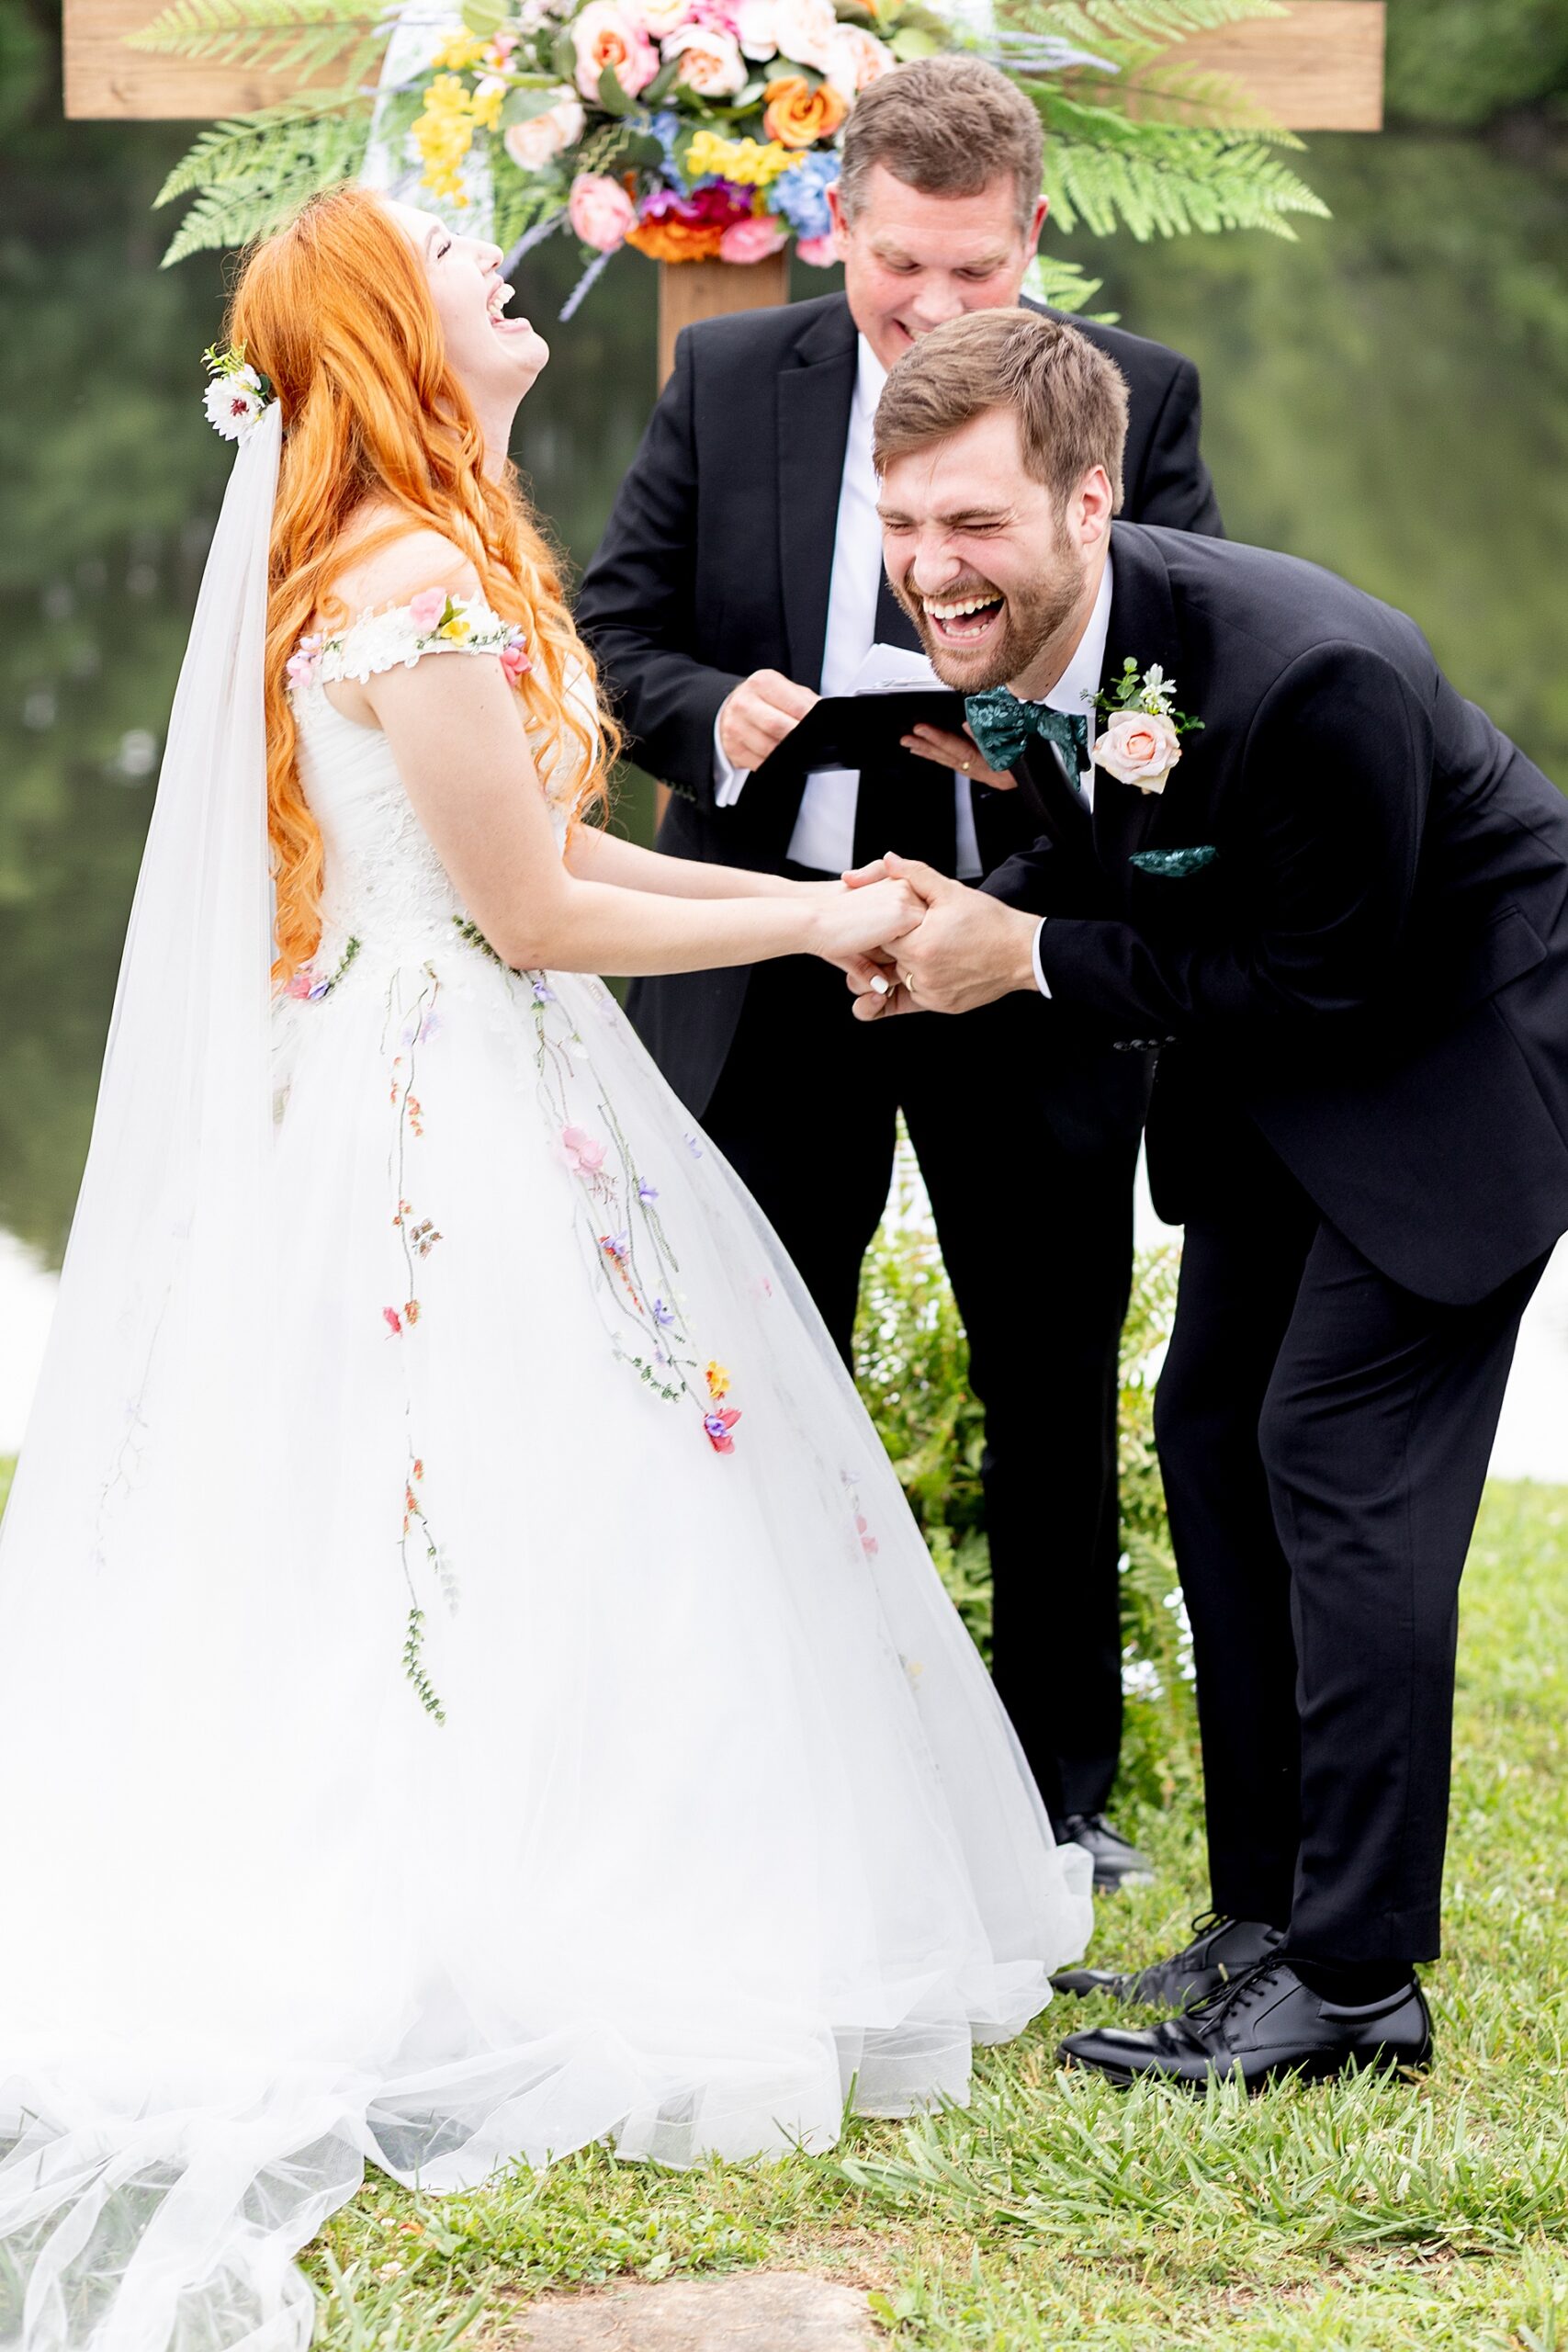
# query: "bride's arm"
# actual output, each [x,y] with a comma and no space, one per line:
[599,856]
[456,730]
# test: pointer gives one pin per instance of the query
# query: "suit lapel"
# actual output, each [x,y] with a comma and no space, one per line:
[1143,625]
[814,398]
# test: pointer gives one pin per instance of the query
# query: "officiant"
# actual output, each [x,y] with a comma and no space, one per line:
[740,577]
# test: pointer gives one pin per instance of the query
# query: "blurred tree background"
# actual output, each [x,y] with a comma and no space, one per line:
[1389,395]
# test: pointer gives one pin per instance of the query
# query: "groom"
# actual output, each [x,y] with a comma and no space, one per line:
[1339,904]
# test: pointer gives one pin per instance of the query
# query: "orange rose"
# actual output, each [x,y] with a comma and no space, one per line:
[798,116]
[676,240]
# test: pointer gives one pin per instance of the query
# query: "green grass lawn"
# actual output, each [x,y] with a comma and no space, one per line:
[1064,2215]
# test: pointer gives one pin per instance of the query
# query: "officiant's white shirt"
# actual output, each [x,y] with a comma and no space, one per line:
[824,833]
[1073,691]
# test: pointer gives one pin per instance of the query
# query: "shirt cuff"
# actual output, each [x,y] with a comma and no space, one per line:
[1040,981]
[728,778]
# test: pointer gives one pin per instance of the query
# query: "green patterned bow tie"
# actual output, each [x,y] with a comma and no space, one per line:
[1002,725]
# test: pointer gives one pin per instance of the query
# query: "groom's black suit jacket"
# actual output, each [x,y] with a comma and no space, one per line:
[1372,970]
[717,559]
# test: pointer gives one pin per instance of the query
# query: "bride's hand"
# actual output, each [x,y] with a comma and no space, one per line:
[849,927]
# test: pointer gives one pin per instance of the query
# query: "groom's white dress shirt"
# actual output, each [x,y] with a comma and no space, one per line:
[824,834]
[1079,679]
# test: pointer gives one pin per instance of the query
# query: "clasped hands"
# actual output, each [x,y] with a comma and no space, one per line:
[962,949]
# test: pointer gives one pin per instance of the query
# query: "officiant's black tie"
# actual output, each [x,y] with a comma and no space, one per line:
[906,803]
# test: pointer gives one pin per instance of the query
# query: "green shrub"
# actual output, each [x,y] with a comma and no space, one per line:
[913,1367]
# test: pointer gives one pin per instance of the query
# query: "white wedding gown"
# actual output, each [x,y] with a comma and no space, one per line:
[598,1755]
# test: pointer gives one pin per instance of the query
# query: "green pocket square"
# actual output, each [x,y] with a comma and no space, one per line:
[1173,863]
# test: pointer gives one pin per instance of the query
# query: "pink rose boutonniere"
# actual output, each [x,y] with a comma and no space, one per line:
[1140,741]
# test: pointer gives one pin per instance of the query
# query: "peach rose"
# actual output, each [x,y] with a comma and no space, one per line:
[536,143]
[604,34]
[710,59]
[805,30]
[753,239]
[798,116]
[818,253]
[858,60]
[600,211]
[1138,747]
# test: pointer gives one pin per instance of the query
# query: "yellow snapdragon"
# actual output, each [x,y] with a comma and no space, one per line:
[444,134]
[461,53]
[740,159]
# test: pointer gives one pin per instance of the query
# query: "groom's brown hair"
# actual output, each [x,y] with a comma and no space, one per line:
[1070,400]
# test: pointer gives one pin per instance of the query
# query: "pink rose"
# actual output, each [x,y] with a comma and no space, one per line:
[711,62]
[304,662]
[426,608]
[600,210]
[805,30]
[605,36]
[583,1153]
[858,60]
[536,143]
[753,239]
[818,253]
[514,660]
[1138,747]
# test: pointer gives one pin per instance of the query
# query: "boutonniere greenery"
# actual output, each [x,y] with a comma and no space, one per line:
[1140,729]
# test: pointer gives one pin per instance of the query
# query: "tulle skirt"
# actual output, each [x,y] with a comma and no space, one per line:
[569,1739]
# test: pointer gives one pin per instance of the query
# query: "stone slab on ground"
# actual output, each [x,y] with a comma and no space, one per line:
[766,2310]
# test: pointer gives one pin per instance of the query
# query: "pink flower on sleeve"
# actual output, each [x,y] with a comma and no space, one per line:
[514,659]
[426,608]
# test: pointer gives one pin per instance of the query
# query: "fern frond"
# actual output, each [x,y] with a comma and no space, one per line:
[280,35]
[1064,284]
[253,171]
[1090,24]
[233,149]
[1158,179]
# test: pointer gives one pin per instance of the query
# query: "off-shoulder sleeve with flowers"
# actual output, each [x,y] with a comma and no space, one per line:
[431,622]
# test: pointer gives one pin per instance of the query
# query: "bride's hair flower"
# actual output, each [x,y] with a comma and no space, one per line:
[238,394]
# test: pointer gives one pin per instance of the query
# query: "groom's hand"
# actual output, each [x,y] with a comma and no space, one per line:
[968,950]
[758,714]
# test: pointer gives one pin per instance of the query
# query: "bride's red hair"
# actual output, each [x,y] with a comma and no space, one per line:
[336,308]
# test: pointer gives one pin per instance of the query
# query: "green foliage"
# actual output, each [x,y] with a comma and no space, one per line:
[913,1370]
[280,36]
[254,171]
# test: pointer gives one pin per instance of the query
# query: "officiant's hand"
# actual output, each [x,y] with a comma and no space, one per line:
[968,950]
[957,752]
[758,714]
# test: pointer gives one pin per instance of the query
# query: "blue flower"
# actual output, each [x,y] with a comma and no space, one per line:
[647,1192]
[665,127]
[543,993]
[800,195]
[662,1313]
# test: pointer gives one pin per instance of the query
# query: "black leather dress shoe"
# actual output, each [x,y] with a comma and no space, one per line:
[1220,1949]
[1116,1863]
[1265,2022]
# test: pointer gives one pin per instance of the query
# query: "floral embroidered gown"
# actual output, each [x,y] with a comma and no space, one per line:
[617,1766]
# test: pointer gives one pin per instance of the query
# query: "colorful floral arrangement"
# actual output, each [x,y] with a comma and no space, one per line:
[698,130]
[692,130]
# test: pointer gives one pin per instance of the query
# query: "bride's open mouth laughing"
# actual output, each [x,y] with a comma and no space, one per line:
[501,295]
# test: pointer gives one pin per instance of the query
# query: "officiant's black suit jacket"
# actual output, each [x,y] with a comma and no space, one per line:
[717,559]
[1372,967]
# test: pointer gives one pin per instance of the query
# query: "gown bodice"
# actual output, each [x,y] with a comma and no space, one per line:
[384,886]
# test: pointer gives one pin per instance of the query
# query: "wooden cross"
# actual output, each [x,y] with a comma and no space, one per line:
[1317,68]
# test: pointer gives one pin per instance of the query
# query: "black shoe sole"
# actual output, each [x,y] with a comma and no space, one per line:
[1306,2070]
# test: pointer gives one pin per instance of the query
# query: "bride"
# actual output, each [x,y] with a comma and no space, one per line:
[469,1684]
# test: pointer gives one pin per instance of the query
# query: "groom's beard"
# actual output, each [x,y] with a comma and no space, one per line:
[1028,620]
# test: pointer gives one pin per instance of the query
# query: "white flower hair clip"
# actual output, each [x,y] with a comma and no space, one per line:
[238,394]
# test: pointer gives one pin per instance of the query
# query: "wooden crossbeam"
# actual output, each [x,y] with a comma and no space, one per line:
[1318,68]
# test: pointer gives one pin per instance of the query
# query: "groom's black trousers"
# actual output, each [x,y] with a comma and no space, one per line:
[1028,1143]
[1324,1436]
